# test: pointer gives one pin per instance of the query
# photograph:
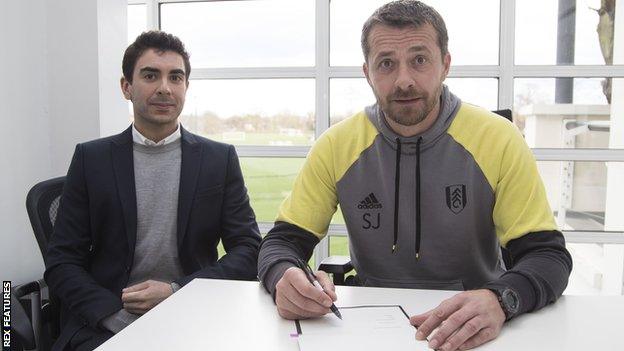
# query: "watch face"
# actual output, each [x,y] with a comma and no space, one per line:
[510,300]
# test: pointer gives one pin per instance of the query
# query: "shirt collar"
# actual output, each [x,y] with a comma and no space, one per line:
[139,138]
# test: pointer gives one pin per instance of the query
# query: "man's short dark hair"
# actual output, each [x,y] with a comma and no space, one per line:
[157,40]
[404,13]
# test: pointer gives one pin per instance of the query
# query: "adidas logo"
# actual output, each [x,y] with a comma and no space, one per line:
[369,203]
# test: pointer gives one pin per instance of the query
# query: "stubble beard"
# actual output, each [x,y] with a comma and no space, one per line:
[408,115]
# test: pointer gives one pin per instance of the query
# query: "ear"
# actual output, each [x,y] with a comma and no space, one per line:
[125,88]
[447,65]
[366,73]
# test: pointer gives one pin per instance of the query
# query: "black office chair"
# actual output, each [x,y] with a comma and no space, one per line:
[505,113]
[38,328]
[42,204]
[26,312]
[340,266]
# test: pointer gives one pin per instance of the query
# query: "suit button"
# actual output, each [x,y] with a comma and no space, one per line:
[128,269]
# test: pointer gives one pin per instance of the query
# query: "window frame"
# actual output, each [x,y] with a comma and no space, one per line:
[506,71]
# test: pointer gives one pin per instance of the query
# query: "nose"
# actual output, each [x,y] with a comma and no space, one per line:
[164,88]
[404,79]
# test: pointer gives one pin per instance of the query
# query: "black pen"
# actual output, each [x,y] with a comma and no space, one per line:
[312,278]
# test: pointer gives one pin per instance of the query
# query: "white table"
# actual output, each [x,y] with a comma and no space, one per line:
[233,315]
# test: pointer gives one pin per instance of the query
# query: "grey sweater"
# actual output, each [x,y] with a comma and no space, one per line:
[157,180]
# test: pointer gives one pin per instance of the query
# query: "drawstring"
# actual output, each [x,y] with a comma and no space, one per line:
[417,248]
[397,176]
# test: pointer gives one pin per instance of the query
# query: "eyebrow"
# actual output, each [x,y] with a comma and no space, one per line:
[156,70]
[149,69]
[417,48]
[177,71]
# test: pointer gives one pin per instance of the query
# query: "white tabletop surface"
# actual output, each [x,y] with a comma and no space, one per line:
[211,314]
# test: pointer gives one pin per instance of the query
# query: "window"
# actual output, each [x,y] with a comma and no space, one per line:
[269,180]
[244,33]
[567,35]
[577,193]
[348,16]
[270,76]
[137,20]
[580,119]
[276,112]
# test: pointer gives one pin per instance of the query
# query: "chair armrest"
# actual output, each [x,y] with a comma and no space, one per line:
[26,326]
[338,266]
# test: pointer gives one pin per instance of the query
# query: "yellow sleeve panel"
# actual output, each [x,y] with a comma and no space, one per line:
[521,205]
[313,199]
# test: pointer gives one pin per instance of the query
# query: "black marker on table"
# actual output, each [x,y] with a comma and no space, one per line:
[312,278]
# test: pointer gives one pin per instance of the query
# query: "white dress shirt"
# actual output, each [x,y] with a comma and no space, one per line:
[139,138]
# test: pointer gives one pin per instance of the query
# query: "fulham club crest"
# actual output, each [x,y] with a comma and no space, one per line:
[456,197]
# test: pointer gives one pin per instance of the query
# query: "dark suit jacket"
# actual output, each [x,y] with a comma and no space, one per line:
[91,251]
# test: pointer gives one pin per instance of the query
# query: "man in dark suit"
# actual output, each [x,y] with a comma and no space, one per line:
[142,212]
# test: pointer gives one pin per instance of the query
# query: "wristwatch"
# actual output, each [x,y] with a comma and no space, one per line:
[175,287]
[509,301]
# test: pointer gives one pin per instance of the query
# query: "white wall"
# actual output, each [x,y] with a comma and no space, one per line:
[63,62]
[72,77]
[24,138]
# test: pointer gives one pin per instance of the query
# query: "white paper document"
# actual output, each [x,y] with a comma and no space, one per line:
[361,328]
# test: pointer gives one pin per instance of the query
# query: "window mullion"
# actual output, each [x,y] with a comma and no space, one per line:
[322,91]
[579,155]
[579,71]
[322,66]
[506,53]
[253,72]
[153,14]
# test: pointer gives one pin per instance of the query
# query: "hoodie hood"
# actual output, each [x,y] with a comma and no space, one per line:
[449,105]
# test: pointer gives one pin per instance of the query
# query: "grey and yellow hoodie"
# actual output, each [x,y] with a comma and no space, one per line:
[429,211]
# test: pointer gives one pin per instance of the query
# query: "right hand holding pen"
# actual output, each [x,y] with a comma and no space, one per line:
[297,298]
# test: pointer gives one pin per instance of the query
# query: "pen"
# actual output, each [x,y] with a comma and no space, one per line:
[312,278]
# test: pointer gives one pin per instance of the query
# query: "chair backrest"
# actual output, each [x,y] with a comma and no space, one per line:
[42,204]
[505,113]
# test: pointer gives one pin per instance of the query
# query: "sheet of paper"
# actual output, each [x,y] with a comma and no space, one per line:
[362,328]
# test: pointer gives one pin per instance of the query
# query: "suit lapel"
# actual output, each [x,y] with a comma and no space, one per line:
[123,166]
[189,173]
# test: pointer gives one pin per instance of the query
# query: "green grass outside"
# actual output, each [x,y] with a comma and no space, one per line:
[269,181]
